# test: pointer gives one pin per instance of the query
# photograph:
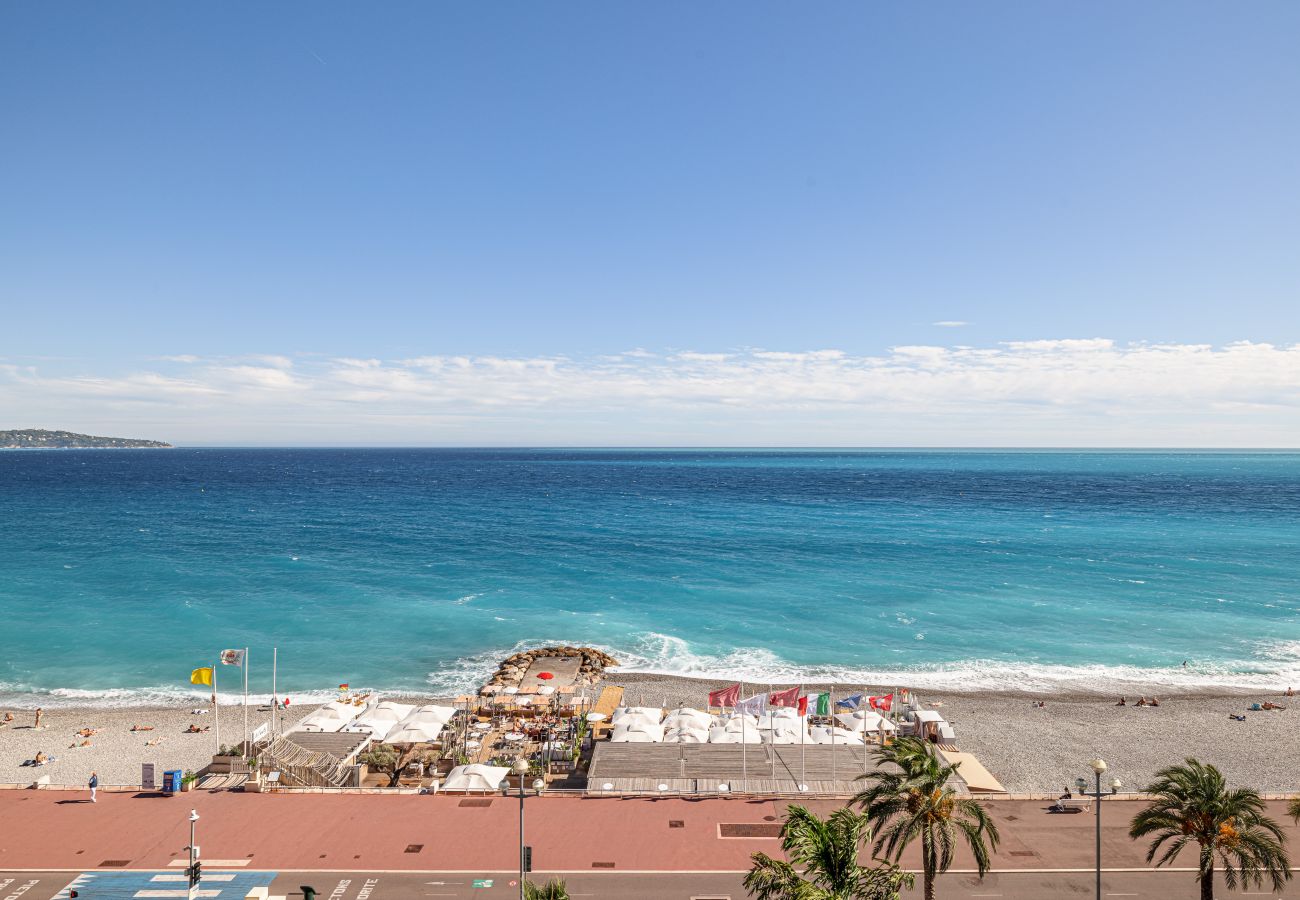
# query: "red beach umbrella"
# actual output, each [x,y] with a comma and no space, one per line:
[545,676]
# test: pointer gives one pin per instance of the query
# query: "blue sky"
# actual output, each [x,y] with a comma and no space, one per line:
[311,182]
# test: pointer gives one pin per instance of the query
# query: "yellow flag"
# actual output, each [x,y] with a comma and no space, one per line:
[201,676]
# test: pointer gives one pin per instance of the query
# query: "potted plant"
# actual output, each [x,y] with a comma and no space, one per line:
[188,780]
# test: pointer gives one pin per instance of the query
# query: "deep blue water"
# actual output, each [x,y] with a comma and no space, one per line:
[410,569]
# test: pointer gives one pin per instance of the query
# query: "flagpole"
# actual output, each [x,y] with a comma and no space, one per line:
[245,667]
[833,721]
[803,752]
[744,764]
[216,711]
[771,748]
[275,662]
[864,731]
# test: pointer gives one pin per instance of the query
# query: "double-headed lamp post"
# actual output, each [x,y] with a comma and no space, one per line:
[1098,767]
[521,768]
[192,873]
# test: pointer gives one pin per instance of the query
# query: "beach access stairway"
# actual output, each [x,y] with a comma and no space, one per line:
[317,766]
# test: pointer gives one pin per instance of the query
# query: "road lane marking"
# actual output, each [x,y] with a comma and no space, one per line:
[176,893]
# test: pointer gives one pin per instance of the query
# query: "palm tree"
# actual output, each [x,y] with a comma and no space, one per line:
[912,800]
[1193,804]
[551,890]
[827,852]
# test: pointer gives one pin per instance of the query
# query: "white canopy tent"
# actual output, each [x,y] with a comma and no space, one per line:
[820,734]
[687,735]
[637,732]
[651,714]
[430,713]
[475,777]
[736,730]
[685,717]
[415,733]
[331,717]
[380,720]
[865,720]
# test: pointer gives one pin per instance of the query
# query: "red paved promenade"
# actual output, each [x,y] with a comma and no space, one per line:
[57,830]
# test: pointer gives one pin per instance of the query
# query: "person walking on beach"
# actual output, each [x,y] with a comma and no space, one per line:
[39,712]
[93,784]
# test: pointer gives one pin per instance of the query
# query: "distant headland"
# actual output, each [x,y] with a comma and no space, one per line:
[41,439]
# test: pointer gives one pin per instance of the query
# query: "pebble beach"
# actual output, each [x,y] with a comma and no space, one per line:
[1033,749]
[115,752]
[1030,749]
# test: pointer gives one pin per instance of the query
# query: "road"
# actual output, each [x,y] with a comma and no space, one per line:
[485,885]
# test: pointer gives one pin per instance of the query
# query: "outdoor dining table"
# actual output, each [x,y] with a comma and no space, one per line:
[514,736]
[482,726]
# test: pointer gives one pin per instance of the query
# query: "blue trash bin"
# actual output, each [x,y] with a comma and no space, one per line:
[172,781]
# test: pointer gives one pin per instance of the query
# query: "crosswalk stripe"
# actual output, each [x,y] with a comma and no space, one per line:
[216,893]
[213,863]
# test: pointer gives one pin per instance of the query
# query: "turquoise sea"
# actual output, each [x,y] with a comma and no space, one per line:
[414,570]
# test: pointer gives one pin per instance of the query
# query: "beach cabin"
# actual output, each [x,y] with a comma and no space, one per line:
[932,727]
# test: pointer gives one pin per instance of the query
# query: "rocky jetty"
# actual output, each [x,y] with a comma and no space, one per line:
[591,668]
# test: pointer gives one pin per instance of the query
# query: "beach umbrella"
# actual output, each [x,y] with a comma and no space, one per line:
[545,676]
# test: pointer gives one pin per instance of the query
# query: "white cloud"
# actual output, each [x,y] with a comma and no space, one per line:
[950,323]
[1080,392]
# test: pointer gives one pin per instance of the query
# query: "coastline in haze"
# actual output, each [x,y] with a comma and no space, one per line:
[415,570]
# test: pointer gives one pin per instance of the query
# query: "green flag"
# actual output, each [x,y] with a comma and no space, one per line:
[823,704]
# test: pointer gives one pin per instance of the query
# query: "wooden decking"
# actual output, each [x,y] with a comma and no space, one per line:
[608,701]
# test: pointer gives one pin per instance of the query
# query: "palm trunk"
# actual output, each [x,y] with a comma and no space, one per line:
[929,864]
[1207,882]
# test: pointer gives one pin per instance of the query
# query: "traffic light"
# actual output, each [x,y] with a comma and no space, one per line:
[195,872]
[308,892]
[528,859]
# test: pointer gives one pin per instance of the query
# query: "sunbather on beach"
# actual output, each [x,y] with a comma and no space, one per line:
[8,719]
[142,728]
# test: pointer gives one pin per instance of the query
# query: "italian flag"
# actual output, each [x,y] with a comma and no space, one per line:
[818,704]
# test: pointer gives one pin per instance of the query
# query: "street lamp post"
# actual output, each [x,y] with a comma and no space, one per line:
[191,873]
[1098,767]
[521,768]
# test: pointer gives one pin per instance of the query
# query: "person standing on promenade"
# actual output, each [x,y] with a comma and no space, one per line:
[92,784]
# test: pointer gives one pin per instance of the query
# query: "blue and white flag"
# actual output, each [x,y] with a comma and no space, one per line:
[754,706]
[853,702]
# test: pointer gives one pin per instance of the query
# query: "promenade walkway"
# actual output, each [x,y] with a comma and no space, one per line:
[58,830]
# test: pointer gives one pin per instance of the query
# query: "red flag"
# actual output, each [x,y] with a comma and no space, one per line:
[803,706]
[884,703]
[725,697]
[784,698]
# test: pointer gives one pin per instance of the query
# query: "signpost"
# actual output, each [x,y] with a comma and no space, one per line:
[148,778]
